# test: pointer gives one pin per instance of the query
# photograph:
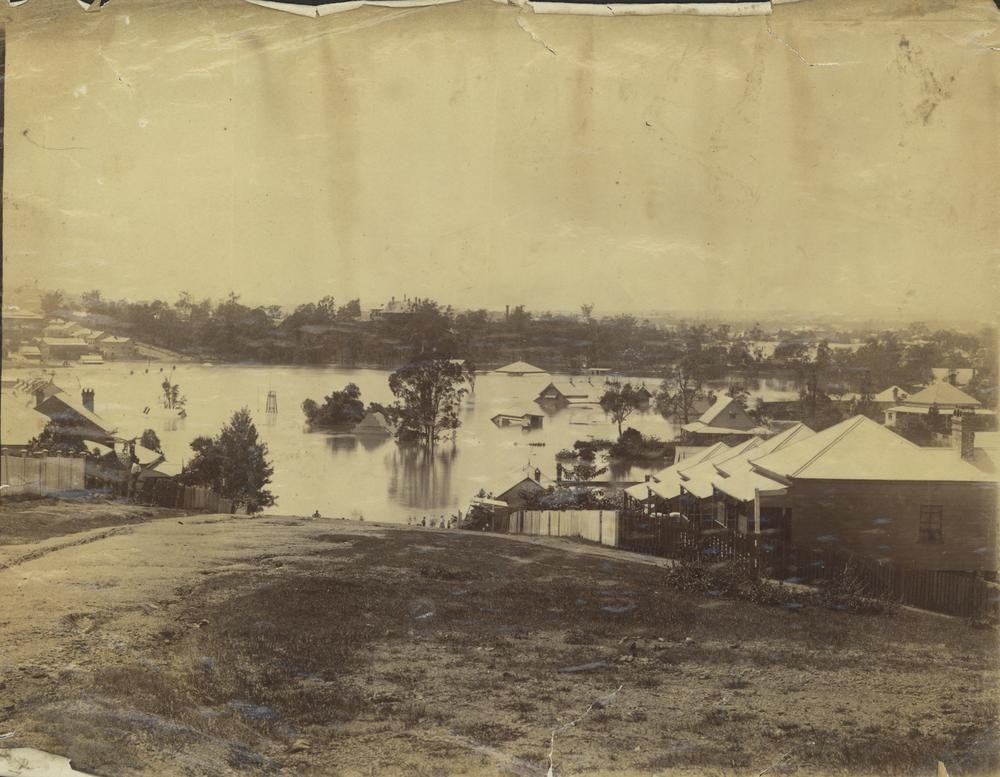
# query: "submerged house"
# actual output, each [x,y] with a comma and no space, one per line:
[517,369]
[375,423]
[725,420]
[569,393]
[522,420]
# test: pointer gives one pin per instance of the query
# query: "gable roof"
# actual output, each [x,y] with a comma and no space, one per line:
[891,394]
[861,449]
[582,392]
[66,410]
[942,395]
[374,422]
[725,416]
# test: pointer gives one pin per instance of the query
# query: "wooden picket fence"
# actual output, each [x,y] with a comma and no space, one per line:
[952,593]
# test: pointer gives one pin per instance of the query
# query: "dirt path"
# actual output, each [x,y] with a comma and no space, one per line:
[217,645]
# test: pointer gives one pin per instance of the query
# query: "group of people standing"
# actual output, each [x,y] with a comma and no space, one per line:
[451,522]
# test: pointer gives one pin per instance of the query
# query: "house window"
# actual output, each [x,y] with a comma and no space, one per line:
[930,523]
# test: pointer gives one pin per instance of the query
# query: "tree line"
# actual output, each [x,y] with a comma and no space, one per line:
[325,332]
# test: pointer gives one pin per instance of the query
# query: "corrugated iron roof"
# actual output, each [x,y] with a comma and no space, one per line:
[942,395]
[861,449]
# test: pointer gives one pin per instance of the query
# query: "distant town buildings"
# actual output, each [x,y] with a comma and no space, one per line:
[30,337]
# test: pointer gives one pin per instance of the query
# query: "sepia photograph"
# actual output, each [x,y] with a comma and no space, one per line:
[528,388]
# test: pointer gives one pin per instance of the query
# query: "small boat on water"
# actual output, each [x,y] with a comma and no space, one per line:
[91,358]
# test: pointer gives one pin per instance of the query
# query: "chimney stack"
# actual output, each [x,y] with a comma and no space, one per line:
[963,439]
[87,396]
[538,475]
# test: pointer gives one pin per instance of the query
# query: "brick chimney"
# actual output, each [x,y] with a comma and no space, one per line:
[87,397]
[538,475]
[963,439]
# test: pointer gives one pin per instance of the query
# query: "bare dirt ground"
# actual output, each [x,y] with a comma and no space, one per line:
[216,645]
[40,519]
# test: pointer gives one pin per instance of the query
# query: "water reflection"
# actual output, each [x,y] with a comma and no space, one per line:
[341,474]
[341,443]
[420,478]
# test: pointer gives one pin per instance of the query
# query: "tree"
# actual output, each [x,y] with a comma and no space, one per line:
[739,392]
[350,311]
[56,438]
[234,464]
[619,401]
[428,394]
[340,409]
[680,391]
[92,301]
[150,440]
[52,301]
[172,397]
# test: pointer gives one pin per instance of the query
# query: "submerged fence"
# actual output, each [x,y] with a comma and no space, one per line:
[42,476]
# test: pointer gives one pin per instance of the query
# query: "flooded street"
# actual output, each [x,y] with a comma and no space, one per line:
[355,476]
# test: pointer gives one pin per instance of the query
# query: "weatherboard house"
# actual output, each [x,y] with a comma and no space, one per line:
[861,488]
[941,398]
[725,420]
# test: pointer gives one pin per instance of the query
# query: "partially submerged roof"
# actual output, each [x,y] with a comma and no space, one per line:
[519,368]
[861,449]
[942,395]
[581,392]
[374,422]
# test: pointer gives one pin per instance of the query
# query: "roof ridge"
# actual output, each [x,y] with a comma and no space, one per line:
[852,424]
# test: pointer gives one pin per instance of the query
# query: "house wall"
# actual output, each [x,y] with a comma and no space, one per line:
[882,520]
[117,350]
[516,496]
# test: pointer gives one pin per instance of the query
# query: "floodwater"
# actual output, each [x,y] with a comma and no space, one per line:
[355,476]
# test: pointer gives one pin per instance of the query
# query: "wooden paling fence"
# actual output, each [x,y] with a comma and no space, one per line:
[594,525]
[168,493]
[42,475]
[55,475]
[952,593]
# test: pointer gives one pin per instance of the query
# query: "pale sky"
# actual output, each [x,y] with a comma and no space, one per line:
[827,158]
